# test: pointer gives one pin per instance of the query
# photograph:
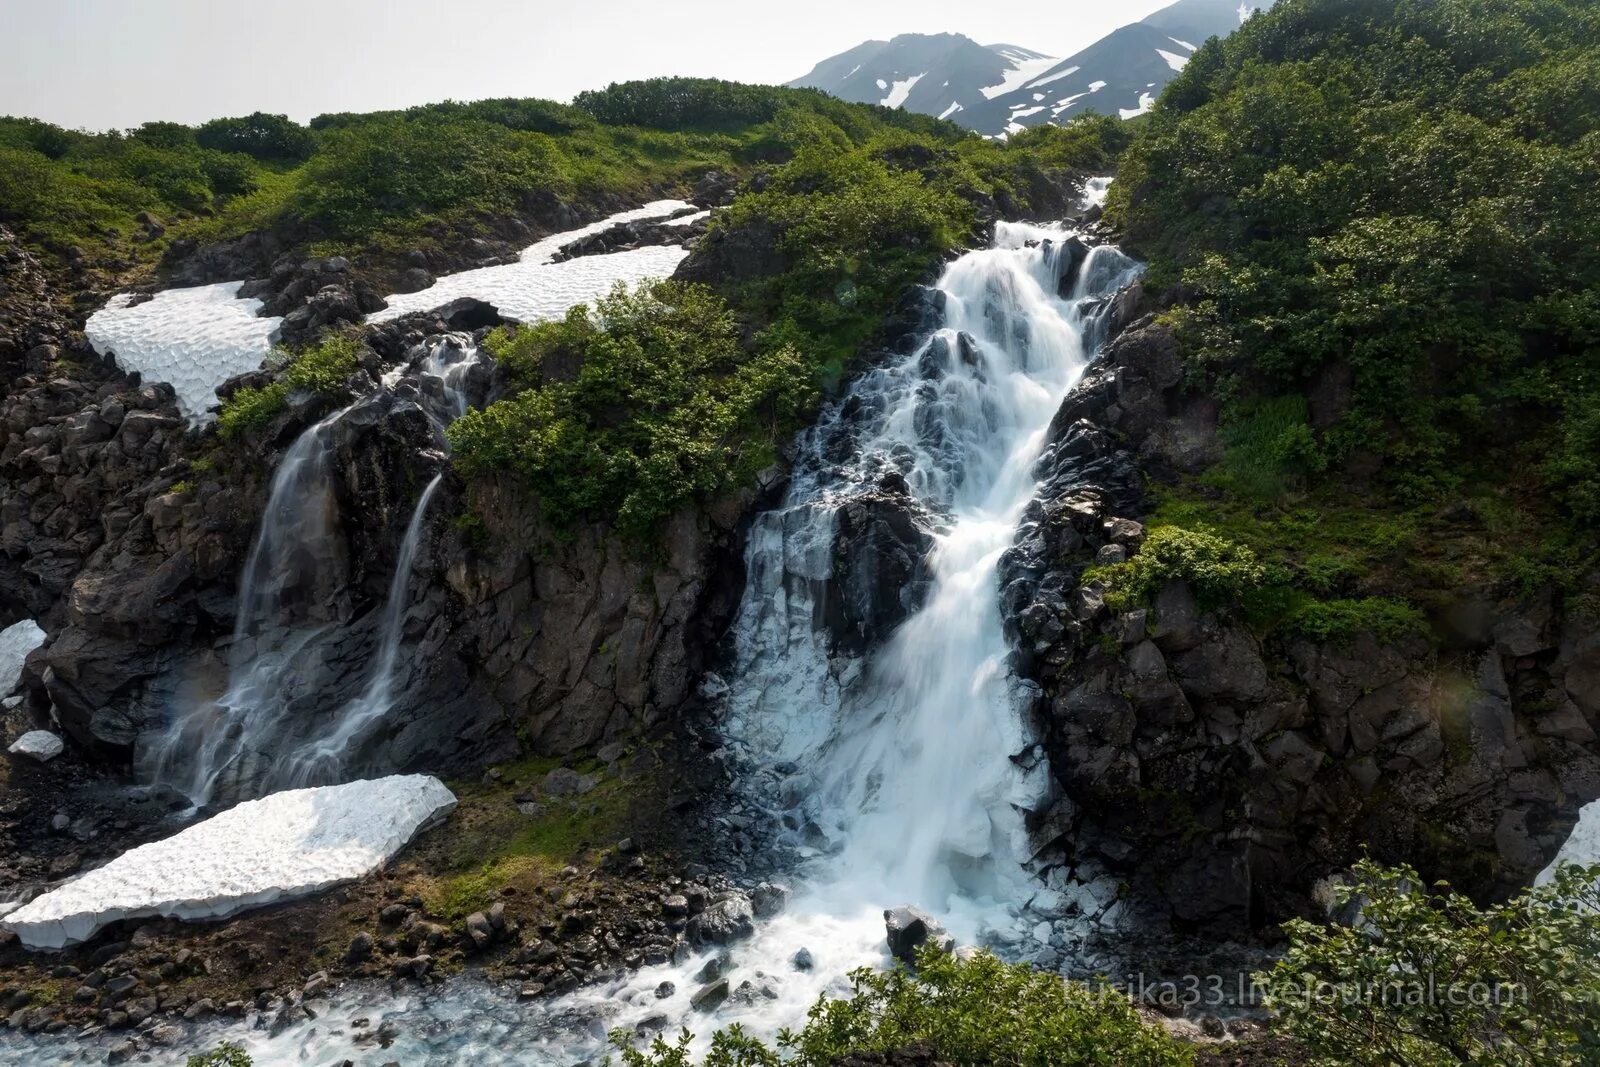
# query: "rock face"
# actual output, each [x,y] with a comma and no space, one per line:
[579,637]
[880,548]
[260,852]
[1214,777]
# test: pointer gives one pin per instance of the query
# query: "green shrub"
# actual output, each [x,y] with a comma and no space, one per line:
[226,1054]
[1428,979]
[1341,620]
[974,1012]
[263,136]
[1218,572]
[655,404]
[1270,448]
[1390,189]
[322,369]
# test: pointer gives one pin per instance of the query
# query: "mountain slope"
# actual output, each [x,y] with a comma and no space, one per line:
[999,88]
[936,74]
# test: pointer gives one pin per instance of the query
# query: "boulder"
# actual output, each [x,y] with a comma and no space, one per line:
[728,920]
[908,928]
[41,745]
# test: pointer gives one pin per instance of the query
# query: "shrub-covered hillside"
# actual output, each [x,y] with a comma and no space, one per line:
[1381,221]
[349,182]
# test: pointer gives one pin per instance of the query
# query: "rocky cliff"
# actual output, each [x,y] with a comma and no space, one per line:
[1220,775]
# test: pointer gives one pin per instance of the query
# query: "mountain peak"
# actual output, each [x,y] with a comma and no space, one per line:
[998,89]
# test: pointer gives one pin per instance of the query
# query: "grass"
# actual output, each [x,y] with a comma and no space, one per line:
[492,846]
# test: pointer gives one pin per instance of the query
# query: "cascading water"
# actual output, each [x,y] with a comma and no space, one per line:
[893,769]
[290,605]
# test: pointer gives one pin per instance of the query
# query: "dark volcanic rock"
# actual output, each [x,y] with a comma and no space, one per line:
[880,549]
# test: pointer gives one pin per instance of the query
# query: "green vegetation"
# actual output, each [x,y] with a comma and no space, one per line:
[974,1012]
[494,844]
[635,407]
[1428,979]
[322,369]
[226,1054]
[1223,573]
[1388,207]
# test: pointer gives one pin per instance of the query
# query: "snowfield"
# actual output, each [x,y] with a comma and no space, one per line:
[260,852]
[192,339]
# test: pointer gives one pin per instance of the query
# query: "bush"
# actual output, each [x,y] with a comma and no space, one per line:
[634,408]
[1218,572]
[322,370]
[1427,978]
[1390,189]
[974,1012]
[266,137]
[226,1054]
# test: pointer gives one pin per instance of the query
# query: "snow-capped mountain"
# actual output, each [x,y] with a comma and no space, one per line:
[938,74]
[996,89]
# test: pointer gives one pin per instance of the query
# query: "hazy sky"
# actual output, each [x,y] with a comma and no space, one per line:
[117,63]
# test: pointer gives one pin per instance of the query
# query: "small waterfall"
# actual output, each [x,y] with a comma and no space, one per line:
[262,733]
[321,760]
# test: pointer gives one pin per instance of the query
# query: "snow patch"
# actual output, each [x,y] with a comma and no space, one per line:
[882,84]
[1023,71]
[16,641]
[951,110]
[901,90]
[285,845]
[1582,846]
[686,220]
[42,745]
[1095,87]
[1022,113]
[193,339]
[1055,77]
[534,288]
[1146,102]
[1174,60]
[1181,44]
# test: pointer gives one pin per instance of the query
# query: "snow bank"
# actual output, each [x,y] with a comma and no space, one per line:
[193,339]
[263,851]
[534,288]
[42,745]
[16,641]
[1582,847]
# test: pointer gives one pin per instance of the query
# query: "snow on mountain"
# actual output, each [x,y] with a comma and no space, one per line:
[1000,88]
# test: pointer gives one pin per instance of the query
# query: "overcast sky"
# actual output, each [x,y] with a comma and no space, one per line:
[117,63]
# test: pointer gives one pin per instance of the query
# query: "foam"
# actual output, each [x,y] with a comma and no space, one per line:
[193,339]
[286,845]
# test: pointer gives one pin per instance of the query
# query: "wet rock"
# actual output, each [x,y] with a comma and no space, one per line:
[803,961]
[880,548]
[360,949]
[909,928]
[768,899]
[728,920]
[709,998]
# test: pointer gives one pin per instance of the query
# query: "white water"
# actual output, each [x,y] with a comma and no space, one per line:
[894,770]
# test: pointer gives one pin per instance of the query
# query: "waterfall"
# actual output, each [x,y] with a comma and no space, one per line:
[905,757]
[264,731]
[322,758]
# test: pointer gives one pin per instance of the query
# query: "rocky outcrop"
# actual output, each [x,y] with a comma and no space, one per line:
[1209,780]
[880,548]
[580,635]
[638,233]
